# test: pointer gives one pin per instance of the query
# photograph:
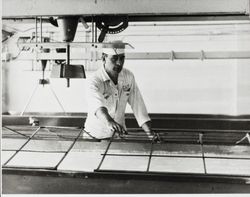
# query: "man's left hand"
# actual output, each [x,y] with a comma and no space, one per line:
[156,137]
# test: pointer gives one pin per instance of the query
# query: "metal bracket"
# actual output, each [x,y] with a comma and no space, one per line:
[172,57]
[247,136]
[200,138]
[202,55]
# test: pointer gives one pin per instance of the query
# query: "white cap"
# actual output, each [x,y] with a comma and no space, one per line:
[115,48]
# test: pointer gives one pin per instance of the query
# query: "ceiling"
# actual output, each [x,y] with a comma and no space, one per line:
[19,16]
[137,10]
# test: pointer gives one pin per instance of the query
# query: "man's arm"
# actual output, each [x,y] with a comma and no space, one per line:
[137,104]
[103,115]
[148,130]
[147,127]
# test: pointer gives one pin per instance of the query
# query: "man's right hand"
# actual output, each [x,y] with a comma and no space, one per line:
[103,115]
[115,127]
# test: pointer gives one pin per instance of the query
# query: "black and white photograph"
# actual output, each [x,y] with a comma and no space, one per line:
[125,97]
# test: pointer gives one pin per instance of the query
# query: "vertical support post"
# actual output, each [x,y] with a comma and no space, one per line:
[68,53]
[92,29]
[68,61]
[95,33]
[36,40]
[36,30]
[41,30]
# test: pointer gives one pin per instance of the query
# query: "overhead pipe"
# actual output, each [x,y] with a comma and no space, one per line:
[83,22]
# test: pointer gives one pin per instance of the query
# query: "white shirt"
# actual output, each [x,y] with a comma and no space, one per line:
[102,92]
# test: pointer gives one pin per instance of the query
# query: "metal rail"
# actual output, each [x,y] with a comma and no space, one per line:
[172,55]
[71,146]
[104,155]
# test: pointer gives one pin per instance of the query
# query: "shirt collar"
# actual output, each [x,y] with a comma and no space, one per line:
[105,76]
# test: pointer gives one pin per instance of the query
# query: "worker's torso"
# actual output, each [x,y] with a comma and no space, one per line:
[115,98]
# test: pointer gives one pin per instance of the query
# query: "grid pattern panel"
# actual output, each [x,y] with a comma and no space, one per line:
[35,160]
[17,131]
[174,164]
[13,144]
[47,146]
[179,151]
[228,166]
[84,156]
[193,156]
[125,163]
[42,148]
[6,155]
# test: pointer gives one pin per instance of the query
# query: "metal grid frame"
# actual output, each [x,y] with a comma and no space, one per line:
[37,129]
[138,138]
[199,141]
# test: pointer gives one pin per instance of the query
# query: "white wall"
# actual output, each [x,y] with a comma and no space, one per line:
[243,78]
[187,86]
[179,86]
[243,87]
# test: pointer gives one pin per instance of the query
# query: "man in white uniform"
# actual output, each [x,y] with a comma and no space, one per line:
[108,92]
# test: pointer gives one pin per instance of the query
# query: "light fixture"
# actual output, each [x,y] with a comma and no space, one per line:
[68,27]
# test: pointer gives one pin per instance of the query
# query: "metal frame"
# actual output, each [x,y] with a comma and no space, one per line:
[22,146]
[134,139]
[199,55]
[29,138]
[133,175]
[40,182]
[48,174]
[200,141]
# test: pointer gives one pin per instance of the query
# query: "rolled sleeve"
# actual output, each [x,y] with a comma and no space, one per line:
[94,95]
[137,104]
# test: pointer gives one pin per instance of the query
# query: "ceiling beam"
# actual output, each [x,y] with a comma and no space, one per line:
[234,18]
[29,8]
[173,55]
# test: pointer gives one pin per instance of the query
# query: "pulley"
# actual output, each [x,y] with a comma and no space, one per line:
[111,25]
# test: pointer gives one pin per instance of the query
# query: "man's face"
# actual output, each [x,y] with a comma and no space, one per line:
[115,62]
